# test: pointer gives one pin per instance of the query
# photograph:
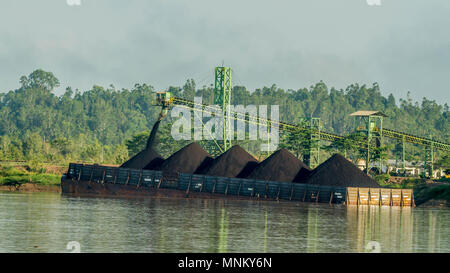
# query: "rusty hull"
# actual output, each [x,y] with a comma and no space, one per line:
[79,188]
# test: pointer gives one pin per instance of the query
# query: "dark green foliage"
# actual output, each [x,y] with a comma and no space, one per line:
[382,178]
[137,143]
[349,146]
[298,141]
[41,80]
[424,193]
[410,183]
[444,162]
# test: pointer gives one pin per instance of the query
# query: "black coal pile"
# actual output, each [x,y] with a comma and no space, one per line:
[186,160]
[338,171]
[235,162]
[147,157]
[280,166]
[302,175]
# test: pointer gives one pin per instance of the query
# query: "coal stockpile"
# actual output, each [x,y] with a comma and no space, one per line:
[147,157]
[338,171]
[235,162]
[187,160]
[302,175]
[280,166]
[154,164]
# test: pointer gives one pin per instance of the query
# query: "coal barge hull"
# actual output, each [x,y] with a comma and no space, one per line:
[95,180]
[104,181]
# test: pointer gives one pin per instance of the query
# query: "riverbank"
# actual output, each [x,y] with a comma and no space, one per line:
[427,193]
[31,187]
[432,195]
[24,179]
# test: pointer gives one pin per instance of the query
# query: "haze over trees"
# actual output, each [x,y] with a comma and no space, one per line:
[107,125]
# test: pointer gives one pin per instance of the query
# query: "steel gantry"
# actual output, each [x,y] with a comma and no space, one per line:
[317,132]
[222,97]
[373,125]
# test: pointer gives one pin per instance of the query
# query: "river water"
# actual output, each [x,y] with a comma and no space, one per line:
[47,222]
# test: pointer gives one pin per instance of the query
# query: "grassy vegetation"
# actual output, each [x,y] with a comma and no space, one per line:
[13,176]
[422,191]
[405,184]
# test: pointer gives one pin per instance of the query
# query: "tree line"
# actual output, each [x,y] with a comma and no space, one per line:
[107,125]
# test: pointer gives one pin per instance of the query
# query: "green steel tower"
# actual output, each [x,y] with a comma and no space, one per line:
[222,96]
[371,124]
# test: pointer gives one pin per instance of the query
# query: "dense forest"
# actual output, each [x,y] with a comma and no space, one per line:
[107,125]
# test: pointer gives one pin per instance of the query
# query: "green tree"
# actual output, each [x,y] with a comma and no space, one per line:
[137,142]
[297,141]
[444,162]
[351,146]
[40,79]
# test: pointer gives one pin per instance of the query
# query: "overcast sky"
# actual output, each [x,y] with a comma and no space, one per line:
[404,45]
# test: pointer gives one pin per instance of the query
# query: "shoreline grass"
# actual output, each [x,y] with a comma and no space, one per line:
[11,176]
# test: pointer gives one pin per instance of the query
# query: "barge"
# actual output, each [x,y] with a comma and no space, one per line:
[96,180]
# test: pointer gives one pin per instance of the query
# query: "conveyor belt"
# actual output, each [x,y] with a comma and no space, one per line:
[323,134]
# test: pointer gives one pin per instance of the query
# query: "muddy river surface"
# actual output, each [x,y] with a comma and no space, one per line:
[49,222]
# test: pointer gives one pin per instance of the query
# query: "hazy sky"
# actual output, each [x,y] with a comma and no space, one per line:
[404,45]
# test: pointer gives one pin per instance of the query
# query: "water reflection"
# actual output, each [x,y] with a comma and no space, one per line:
[392,227]
[223,231]
[46,222]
